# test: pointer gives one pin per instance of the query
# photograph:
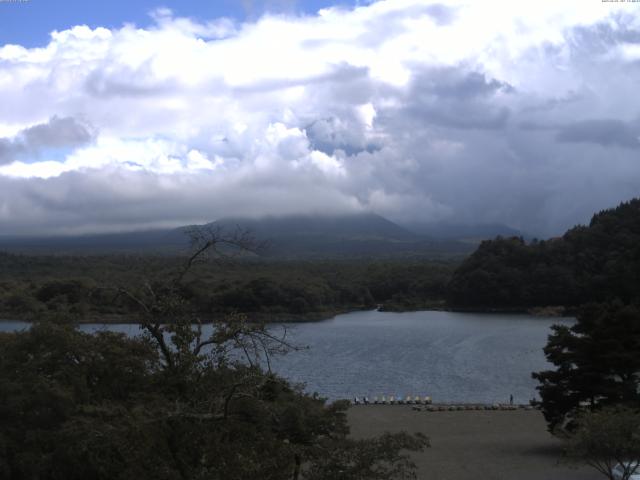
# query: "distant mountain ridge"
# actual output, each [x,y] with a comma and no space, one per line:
[363,225]
[330,236]
[308,236]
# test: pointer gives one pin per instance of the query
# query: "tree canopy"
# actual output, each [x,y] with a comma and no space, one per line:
[609,441]
[597,363]
[32,286]
[595,263]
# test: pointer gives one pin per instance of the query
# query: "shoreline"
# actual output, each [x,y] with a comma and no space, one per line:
[312,317]
[268,318]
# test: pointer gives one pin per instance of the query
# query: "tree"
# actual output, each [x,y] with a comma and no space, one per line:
[173,403]
[599,262]
[597,364]
[606,438]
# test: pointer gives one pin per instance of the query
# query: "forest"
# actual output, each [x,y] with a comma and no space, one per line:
[86,287]
[593,263]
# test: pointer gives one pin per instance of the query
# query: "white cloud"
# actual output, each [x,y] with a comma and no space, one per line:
[412,108]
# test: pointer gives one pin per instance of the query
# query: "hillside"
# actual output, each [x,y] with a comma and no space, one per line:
[319,236]
[367,225]
[588,263]
[301,236]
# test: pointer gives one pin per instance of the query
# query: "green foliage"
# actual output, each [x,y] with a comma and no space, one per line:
[376,459]
[33,286]
[595,263]
[606,438]
[597,364]
[104,406]
[60,390]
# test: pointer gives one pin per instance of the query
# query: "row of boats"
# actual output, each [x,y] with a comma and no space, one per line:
[393,400]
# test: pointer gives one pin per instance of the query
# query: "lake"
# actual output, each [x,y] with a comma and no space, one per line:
[453,357]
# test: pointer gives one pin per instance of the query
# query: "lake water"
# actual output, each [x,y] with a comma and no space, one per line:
[453,357]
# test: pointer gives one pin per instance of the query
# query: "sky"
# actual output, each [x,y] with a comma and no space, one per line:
[132,115]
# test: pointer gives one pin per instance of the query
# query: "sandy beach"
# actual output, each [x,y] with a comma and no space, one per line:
[465,445]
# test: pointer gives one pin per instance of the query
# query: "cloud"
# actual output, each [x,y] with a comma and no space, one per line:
[453,97]
[441,13]
[56,133]
[605,132]
[465,111]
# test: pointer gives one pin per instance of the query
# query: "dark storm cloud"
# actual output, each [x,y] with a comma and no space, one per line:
[548,105]
[600,38]
[457,115]
[56,133]
[456,98]
[605,132]
[454,83]
[330,134]
[534,126]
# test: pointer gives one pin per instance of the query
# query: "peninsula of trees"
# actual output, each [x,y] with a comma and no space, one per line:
[591,263]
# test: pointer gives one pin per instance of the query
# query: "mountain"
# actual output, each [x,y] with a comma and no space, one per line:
[366,225]
[593,263]
[329,236]
[322,236]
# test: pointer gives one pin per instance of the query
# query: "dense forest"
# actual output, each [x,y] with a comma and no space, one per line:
[86,286]
[591,263]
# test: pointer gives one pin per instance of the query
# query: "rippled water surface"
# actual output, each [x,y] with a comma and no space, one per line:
[457,357]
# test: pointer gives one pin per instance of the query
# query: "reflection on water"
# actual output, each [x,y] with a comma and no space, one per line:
[456,357]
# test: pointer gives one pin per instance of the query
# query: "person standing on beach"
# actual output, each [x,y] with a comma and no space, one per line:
[511,399]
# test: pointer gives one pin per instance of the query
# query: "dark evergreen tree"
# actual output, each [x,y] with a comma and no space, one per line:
[597,364]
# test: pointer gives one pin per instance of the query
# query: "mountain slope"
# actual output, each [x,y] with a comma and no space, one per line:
[329,236]
[367,225]
[287,236]
[597,262]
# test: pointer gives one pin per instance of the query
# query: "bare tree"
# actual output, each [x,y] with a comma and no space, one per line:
[166,316]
